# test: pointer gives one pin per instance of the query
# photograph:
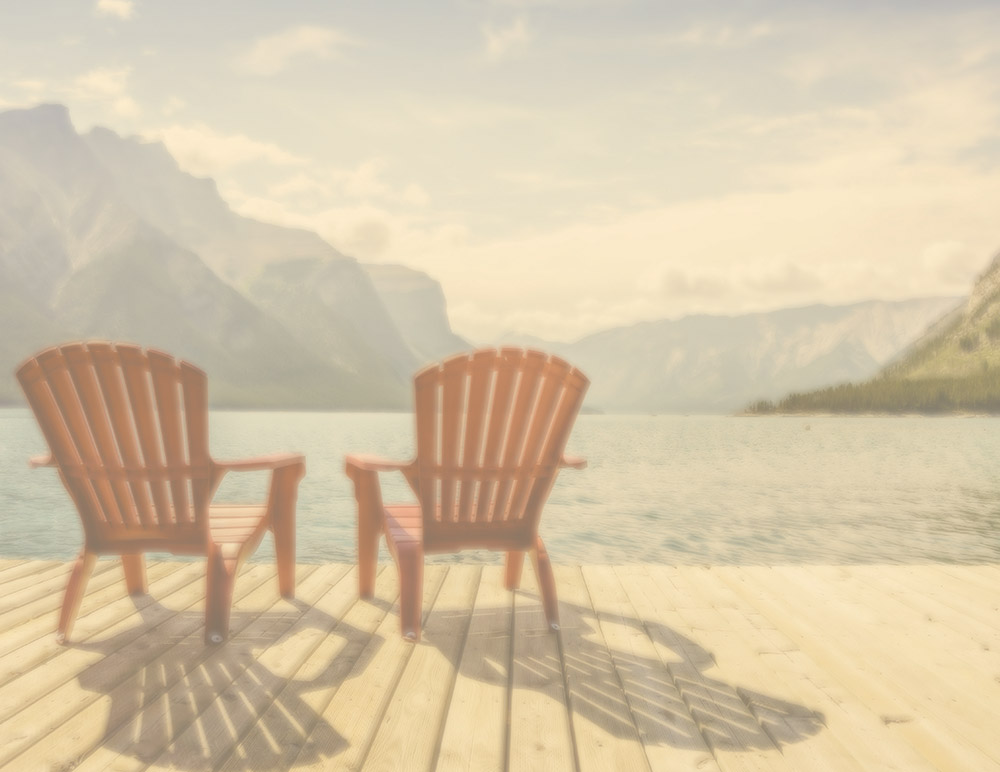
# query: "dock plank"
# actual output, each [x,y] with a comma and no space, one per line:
[603,725]
[729,728]
[354,714]
[283,729]
[413,721]
[860,731]
[806,610]
[474,735]
[16,569]
[540,733]
[669,736]
[32,596]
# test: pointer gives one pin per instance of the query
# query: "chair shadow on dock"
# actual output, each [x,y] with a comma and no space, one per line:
[665,699]
[188,706]
[259,701]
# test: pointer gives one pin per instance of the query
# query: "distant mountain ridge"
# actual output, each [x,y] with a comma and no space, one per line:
[955,366]
[106,237]
[719,364]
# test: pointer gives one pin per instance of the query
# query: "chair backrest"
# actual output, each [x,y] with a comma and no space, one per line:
[128,431]
[491,430]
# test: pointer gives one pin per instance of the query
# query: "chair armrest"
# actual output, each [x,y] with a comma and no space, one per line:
[357,463]
[274,461]
[573,462]
[36,461]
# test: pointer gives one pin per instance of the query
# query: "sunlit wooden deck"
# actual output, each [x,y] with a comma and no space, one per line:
[798,668]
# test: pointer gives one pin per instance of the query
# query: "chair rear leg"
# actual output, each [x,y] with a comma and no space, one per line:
[512,576]
[410,562]
[135,574]
[546,583]
[221,575]
[81,572]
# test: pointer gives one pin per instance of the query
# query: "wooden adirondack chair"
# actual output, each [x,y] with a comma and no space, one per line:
[491,429]
[128,433]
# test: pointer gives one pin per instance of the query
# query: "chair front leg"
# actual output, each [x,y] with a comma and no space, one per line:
[82,570]
[220,578]
[135,574]
[371,515]
[512,576]
[410,562]
[281,503]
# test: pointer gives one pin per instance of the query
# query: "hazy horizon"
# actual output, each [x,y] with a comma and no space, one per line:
[564,167]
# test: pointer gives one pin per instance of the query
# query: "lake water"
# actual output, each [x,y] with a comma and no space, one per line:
[659,489]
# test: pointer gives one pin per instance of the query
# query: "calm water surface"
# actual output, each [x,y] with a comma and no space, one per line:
[659,489]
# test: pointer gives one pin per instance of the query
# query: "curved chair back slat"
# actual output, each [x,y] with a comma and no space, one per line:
[491,430]
[127,429]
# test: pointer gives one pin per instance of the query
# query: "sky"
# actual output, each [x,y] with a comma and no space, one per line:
[566,166]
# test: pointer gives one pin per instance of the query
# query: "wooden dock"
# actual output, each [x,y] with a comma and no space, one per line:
[729,668]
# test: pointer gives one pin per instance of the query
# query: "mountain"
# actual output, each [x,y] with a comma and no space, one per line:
[317,293]
[57,205]
[720,363]
[965,343]
[417,306]
[83,254]
[955,366]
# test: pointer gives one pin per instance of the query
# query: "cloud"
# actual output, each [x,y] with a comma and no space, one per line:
[301,186]
[541,181]
[722,36]
[121,8]
[570,4]
[173,105]
[503,42]
[270,55]
[948,259]
[203,151]
[676,284]
[106,84]
[362,184]
[788,279]
[414,195]
[103,85]
[364,181]
[739,253]
[365,232]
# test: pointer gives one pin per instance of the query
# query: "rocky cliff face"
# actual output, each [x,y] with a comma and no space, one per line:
[418,308]
[284,270]
[103,237]
[58,207]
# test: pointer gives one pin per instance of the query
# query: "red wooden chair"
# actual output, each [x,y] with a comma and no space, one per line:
[491,429]
[128,432]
